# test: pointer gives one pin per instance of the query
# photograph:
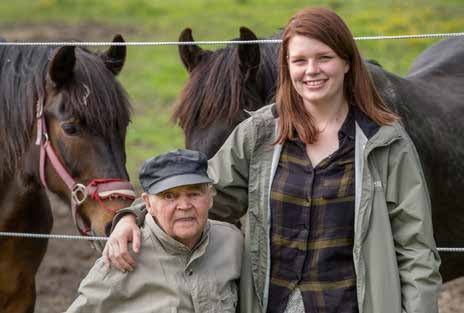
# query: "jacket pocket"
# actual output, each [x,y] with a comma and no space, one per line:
[224,302]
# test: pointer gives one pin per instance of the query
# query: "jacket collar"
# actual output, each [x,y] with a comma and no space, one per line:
[368,126]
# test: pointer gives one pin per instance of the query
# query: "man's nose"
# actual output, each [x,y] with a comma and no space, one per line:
[184,203]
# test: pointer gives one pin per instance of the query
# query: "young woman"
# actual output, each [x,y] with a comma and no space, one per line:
[335,207]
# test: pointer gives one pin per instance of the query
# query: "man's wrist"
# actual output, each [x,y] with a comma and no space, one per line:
[119,215]
[137,209]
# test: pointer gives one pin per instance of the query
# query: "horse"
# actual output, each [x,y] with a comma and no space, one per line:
[64,118]
[224,84]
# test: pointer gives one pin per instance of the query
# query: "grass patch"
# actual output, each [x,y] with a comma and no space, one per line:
[154,76]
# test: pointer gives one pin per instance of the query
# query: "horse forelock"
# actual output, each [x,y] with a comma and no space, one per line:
[96,97]
[212,91]
[23,73]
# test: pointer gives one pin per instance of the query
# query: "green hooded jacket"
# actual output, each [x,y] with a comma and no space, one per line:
[394,252]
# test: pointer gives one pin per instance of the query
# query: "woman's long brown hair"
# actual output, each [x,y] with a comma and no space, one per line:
[326,26]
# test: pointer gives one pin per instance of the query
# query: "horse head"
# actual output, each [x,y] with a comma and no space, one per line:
[81,118]
[222,86]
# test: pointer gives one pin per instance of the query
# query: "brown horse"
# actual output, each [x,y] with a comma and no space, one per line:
[63,123]
[225,83]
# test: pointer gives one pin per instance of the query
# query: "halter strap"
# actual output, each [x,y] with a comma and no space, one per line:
[98,189]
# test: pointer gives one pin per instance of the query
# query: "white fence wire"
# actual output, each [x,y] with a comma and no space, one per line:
[71,237]
[167,43]
[218,42]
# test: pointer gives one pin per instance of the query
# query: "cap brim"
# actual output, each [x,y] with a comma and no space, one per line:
[178,180]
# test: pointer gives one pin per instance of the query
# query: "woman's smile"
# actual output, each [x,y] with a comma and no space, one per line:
[315,84]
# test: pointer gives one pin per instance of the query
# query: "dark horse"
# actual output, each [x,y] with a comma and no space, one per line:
[225,83]
[63,123]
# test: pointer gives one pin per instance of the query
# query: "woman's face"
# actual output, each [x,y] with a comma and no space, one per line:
[316,71]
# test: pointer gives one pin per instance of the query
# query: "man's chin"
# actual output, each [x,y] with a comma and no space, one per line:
[188,237]
[186,230]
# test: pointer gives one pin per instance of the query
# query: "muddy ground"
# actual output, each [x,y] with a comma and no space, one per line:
[67,262]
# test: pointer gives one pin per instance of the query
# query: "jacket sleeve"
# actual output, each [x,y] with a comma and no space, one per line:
[229,169]
[137,208]
[411,221]
[97,292]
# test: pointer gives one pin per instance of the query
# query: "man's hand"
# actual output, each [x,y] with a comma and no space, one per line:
[116,252]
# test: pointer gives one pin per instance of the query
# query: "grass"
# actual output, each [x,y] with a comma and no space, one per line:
[154,76]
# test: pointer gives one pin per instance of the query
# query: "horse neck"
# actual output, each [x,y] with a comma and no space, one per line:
[389,86]
[414,102]
[21,77]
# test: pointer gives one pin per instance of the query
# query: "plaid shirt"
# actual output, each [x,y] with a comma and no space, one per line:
[312,210]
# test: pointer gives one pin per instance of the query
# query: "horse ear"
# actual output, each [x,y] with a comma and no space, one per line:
[189,54]
[115,56]
[248,54]
[62,65]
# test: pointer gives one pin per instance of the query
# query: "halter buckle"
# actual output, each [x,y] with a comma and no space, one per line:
[79,194]
[46,139]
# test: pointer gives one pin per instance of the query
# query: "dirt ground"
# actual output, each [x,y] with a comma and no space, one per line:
[67,262]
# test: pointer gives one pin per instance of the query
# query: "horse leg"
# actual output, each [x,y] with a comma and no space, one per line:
[448,218]
[17,281]
[22,210]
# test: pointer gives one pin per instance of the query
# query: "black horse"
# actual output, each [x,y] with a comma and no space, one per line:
[224,84]
[63,120]
[222,87]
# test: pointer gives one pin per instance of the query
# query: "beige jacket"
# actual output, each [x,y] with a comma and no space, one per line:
[168,276]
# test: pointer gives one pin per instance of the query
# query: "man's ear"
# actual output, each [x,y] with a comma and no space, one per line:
[146,199]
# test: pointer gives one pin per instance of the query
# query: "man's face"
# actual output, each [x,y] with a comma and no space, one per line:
[181,212]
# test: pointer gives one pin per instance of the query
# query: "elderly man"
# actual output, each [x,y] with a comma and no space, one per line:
[187,263]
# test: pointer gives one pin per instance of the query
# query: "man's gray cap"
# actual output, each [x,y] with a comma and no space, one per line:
[173,169]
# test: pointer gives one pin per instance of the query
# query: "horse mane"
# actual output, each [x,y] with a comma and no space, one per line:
[374,62]
[214,89]
[268,72]
[23,73]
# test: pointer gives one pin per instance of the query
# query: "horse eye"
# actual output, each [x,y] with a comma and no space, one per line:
[71,129]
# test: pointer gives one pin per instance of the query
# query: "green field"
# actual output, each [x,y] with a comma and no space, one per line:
[153,76]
